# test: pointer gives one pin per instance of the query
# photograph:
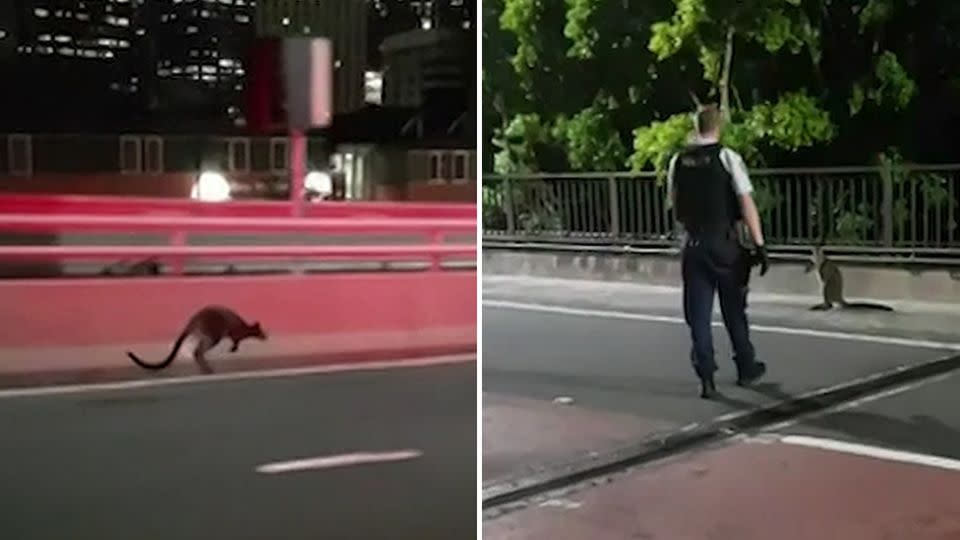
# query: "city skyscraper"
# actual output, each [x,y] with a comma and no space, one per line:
[198,51]
[98,42]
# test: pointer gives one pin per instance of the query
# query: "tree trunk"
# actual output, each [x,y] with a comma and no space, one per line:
[725,75]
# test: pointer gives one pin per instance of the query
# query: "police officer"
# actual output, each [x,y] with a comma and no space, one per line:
[711,191]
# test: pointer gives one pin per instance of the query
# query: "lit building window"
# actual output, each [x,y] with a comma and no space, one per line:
[41,12]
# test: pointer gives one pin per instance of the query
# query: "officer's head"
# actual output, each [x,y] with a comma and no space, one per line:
[709,121]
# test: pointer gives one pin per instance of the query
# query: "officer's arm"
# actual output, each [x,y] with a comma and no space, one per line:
[752,217]
[744,190]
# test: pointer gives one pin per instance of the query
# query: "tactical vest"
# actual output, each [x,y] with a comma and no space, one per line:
[705,198]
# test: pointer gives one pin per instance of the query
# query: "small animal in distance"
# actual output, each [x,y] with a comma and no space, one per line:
[208,327]
[831,284]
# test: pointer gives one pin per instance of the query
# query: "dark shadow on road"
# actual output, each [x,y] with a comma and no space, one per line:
[916,432]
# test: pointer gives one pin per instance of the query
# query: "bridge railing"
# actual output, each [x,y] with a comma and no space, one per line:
[325,288]
[81,242]
[897,209]
[103,205]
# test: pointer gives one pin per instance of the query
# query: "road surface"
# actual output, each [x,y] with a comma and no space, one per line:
[180,461]
[565,380]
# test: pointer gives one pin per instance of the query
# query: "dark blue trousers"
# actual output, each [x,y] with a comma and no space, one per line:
[716,264]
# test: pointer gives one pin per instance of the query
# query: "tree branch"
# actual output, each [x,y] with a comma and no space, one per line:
[725,76]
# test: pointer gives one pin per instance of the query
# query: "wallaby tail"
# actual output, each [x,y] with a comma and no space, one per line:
[867,305]
[165,363]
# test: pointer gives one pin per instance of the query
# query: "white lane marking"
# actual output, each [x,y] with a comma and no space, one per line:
[872,451]
[564,504]
[857,402]
[341,460]
[235,376]
[809,332]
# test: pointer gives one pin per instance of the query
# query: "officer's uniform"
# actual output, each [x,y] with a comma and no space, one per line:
[705,181]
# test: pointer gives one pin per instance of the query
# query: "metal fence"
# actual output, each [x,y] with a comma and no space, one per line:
[898,209]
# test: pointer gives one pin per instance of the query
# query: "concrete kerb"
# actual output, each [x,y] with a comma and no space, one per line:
[507,491]
[940,285]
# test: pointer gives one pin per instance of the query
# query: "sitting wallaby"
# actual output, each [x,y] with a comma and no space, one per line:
[208,326]
[831,283]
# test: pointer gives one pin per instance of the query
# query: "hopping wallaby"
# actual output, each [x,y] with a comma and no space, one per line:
[208,327]
[831,283]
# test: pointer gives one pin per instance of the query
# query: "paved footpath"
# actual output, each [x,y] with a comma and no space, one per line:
[862,472]
[247,458]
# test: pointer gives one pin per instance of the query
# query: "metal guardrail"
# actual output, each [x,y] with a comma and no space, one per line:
[41,233]
[902,209]
[116,205]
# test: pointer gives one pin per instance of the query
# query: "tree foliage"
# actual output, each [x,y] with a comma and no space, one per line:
[602,84]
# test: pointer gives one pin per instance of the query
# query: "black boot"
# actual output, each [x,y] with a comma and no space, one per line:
[751,375]
[708,390]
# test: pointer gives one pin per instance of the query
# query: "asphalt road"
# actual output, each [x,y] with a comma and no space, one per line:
[923,419]
[639,373]
[179,461]
[887,467]
[564,384]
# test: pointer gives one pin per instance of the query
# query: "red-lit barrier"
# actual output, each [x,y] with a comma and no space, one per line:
[177,228]
[139,224]
[20,253]
[70,204]
[82,324]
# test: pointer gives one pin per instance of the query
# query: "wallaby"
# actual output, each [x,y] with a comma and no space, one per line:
[145,267]
[208,326]
[831,283]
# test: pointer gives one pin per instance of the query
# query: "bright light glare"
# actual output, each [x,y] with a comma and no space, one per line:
[211,187]
[319,181]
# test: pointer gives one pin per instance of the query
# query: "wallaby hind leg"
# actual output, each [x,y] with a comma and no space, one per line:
[200,355]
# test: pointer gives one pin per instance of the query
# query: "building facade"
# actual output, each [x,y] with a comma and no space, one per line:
[97,42]
[198,54]
[419,62]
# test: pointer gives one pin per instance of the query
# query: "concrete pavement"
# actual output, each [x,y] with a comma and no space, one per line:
[179,461]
